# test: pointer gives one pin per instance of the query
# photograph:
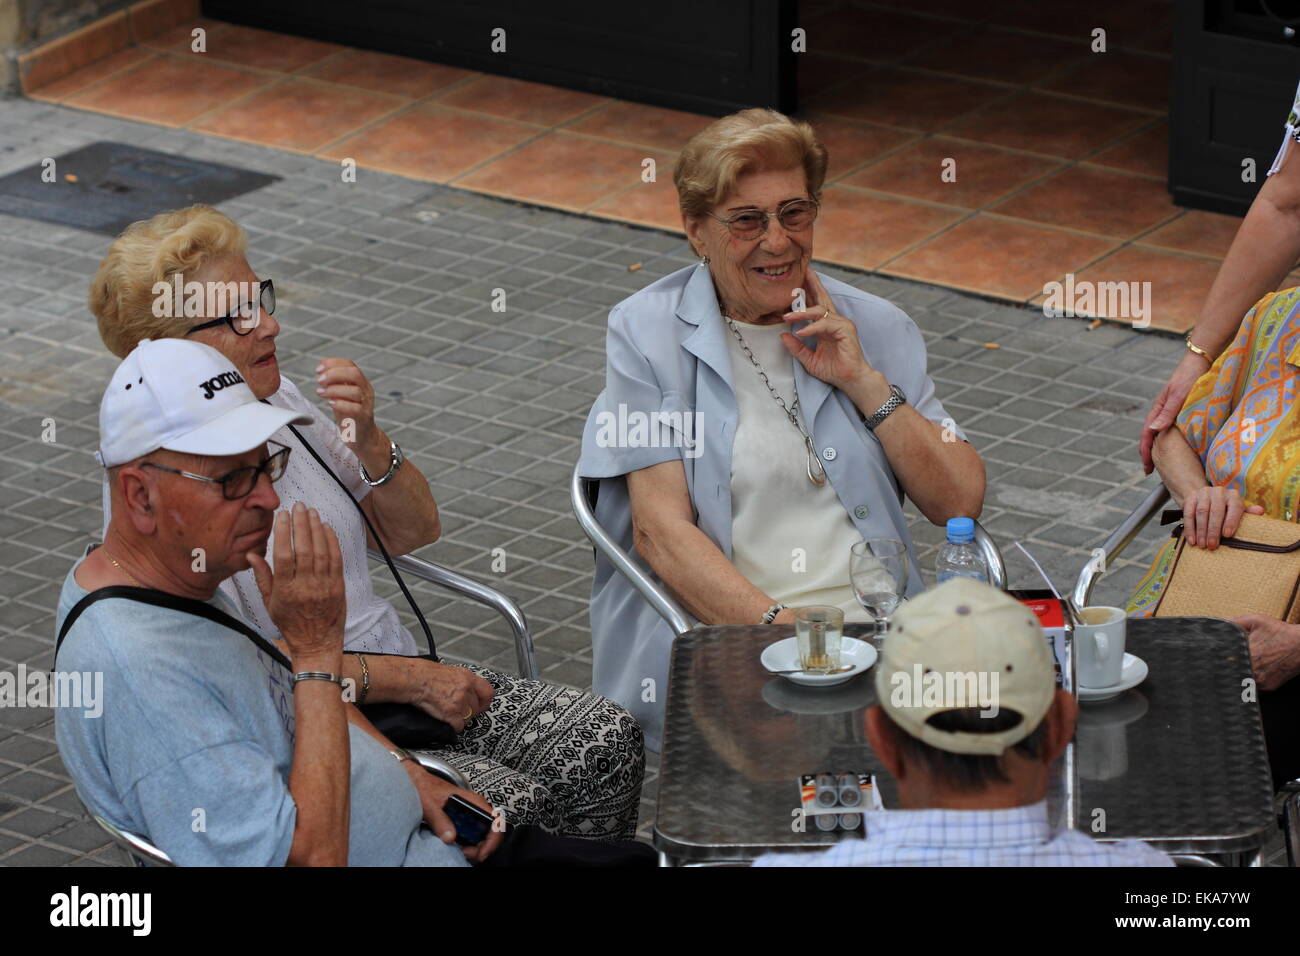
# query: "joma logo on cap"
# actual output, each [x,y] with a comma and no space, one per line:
[218,382]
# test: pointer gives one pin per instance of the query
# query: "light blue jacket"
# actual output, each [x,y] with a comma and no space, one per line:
[666,352]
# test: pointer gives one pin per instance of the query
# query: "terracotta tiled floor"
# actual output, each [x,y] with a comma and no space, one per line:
[1060,153]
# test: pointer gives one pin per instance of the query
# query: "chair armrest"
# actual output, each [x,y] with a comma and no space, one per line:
[1119,539]
[440,768]
[479,592]
[649,589]
[137,847]
[1291,821]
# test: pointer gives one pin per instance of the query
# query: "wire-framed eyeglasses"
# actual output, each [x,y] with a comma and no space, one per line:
[247,315]
[794,216]
[240,482]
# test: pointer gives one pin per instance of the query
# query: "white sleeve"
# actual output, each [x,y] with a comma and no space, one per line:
[325,438]
[1291,131]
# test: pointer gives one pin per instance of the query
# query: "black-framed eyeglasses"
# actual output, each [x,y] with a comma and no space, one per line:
[240,482]
[795,216]
[247,316]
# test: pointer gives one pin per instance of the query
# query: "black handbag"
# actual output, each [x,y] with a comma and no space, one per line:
[405,724]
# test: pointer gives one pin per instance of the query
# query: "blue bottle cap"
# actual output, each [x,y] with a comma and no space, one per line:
[961,529]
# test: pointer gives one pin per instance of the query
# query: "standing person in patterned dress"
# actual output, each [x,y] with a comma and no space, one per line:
[1263,253]
[1236,449]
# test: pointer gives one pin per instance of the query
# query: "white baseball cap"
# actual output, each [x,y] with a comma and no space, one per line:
[965,633]
[183,396]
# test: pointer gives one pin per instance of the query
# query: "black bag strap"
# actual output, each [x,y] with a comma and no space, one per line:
[175,603]
[419,728]
[401,584]
[1170,515]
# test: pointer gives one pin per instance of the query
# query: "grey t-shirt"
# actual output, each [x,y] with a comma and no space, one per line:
[195,743]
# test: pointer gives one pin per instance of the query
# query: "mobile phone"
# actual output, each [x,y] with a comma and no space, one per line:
[472,823]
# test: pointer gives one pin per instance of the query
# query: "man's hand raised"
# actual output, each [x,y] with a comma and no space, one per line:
[304,594]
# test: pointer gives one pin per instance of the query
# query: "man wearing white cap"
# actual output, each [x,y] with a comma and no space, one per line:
[192,750]
[968,722]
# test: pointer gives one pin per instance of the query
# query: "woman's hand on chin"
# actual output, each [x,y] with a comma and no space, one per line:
[838,358]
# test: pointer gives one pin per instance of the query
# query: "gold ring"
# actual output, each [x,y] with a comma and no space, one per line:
[827,312]
[469,713]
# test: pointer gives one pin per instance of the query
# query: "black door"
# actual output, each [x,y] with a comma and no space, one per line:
[708,57]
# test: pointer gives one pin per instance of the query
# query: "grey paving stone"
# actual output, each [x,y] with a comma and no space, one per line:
[80,838]
[38,855]
[32,822]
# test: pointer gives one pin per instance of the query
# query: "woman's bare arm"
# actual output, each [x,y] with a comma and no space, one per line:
[1179,466]
[684,557]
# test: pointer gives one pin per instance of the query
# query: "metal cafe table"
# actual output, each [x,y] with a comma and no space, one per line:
[1178,761]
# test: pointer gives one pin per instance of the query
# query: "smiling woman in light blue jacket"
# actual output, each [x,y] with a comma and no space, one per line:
[738,460]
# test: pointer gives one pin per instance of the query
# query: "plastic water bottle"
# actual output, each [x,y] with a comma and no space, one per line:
[960,557]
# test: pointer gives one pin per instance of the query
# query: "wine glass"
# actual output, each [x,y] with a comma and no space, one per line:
[878,573]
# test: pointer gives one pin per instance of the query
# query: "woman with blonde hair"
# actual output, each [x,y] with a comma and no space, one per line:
[568,761]
[776,416]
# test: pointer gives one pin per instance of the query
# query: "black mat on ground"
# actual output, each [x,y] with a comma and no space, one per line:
[106,186]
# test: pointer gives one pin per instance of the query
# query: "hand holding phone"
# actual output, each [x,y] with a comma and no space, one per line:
[457,816]
[472,823]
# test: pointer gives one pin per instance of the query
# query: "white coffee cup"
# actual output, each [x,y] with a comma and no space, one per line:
[1099,646]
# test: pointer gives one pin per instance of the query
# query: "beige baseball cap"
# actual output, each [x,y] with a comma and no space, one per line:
[965,644]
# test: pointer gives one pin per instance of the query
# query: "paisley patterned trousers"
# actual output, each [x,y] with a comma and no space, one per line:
[566,760]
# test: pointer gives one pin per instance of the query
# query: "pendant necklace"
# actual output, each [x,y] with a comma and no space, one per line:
[816,473]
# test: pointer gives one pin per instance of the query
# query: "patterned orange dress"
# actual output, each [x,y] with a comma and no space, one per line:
[1242,419]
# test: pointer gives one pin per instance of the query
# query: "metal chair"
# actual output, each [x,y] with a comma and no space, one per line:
[479,592]
[1291,821]
[1118,540]
[583,492]
[143,853]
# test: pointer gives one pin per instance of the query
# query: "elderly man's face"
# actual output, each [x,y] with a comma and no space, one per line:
[254,353]
[741,267]
[196,514]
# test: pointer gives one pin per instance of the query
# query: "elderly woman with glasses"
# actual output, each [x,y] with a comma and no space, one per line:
[568,761]
[757,419]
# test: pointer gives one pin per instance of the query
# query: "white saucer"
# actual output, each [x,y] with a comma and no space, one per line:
[784,656]
[1134,673]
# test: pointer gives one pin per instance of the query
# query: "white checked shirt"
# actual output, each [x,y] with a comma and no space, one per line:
[1020,836]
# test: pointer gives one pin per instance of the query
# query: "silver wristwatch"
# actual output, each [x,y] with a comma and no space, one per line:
[395,459]
[895,399]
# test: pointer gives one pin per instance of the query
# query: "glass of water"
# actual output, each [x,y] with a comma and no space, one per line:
[878,573]
[818,629]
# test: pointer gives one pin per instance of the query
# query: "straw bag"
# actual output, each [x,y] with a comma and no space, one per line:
[1257,571]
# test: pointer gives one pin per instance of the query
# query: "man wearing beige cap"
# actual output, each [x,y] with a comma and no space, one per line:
[968,722]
